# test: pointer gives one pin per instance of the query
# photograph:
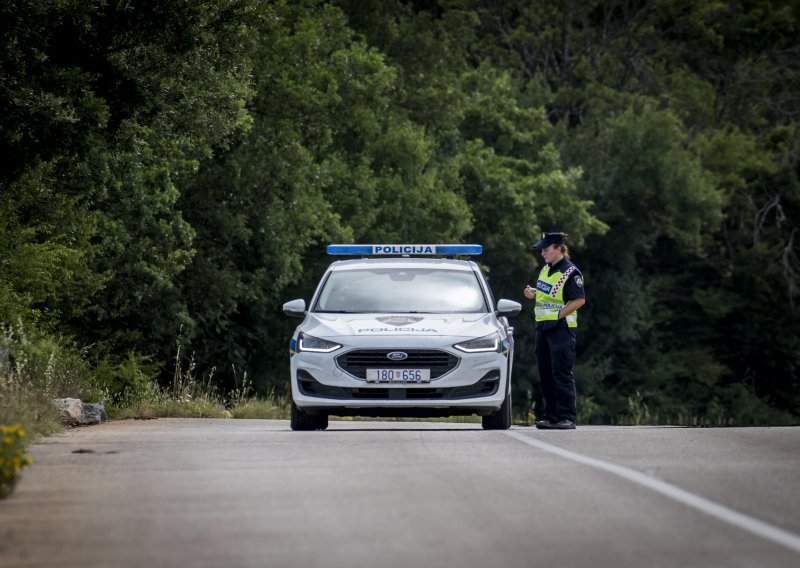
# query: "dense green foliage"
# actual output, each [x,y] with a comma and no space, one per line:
[174,169]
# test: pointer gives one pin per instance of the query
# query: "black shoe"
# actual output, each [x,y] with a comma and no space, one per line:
[563,425]
[545,424]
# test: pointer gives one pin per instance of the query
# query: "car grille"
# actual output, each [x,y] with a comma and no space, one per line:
[486,386]
[357,362]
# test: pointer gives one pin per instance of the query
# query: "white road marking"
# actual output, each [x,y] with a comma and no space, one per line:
[721,512]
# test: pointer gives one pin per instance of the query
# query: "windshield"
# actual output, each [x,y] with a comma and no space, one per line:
[397,290]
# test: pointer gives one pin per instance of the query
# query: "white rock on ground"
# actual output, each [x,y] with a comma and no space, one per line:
[75,413]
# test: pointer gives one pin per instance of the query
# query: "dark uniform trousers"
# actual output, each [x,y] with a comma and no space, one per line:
[555,355]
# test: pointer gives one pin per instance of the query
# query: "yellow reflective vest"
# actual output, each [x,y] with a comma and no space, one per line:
[550,294]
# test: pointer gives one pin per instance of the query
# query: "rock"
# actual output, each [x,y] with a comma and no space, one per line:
[74,412]
[71,410]
[94,413]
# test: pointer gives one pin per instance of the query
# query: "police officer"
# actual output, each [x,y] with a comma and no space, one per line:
[559,293]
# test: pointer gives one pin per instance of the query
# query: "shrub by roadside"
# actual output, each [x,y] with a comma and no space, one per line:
[36,368]
[12,457]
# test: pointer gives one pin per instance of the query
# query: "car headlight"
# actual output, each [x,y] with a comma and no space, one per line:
[481,344]
[315,344]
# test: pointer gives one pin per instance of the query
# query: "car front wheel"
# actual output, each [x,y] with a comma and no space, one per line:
[301,420]
[500,420]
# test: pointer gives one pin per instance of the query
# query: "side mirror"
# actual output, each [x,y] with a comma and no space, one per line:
[295,308]
[508,308]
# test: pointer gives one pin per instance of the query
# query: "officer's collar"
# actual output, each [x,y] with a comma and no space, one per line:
[563,259]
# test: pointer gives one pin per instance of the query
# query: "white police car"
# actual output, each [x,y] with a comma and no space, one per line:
[402,332]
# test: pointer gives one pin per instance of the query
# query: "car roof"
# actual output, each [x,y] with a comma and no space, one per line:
[404,262]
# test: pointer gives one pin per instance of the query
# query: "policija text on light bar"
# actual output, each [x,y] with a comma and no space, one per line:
[378,250]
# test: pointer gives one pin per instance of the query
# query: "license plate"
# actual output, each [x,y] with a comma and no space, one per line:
[398,375]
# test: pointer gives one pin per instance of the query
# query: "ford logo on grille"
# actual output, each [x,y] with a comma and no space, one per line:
[397,355]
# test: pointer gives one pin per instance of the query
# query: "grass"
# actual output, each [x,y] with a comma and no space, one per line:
[34,370]
[161,405]
[273,408]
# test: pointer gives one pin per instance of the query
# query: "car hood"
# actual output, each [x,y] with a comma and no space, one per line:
[348,325]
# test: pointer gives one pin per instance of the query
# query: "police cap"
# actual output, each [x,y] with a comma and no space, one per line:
[551,239]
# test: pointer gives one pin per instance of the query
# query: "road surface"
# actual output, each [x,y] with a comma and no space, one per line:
[230,493]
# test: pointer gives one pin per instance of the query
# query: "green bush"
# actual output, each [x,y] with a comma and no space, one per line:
[35,368]
[123,383]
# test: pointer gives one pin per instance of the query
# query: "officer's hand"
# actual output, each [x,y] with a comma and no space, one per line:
[529,292]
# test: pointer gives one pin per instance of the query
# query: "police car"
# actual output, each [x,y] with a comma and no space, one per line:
[403,330]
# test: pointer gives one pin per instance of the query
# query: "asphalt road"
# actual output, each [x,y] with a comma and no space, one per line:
[230,493]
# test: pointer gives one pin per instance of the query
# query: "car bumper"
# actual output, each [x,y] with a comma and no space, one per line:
[476,385]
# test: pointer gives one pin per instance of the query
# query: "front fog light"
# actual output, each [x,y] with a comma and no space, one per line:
[315,344]
[481,344]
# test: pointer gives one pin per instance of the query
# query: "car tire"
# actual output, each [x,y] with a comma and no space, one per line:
[301,420]
[500,420]
[322,421]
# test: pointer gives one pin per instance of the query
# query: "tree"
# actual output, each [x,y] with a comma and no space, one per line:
[327,159]
[685,134]
[106,107]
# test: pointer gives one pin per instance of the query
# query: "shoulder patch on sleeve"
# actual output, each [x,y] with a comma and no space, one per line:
[579,281]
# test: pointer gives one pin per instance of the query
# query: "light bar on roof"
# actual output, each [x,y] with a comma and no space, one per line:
[404,249]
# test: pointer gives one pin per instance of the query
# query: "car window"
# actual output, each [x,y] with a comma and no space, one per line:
[401,290]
